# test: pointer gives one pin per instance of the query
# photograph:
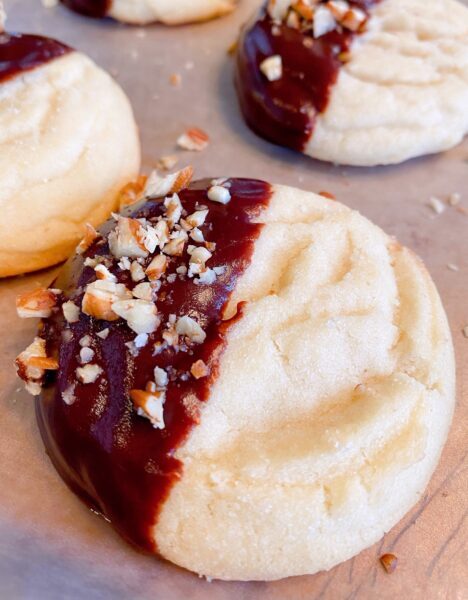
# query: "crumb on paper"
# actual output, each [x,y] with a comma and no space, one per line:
[166,163]
[436,205]
[452,267]
[49,3]
[328,195]
[233,48]
[454,199]
[193,139]
[389,562]
[175,79]
[465,331]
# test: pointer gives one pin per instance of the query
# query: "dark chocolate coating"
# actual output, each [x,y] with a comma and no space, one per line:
[89,8]
[111,457]
[284,111]
[21,52]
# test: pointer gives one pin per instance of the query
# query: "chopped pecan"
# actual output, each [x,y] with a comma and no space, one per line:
[30,365]
[140,315]
[389,562]
[157,267]
[88,373]
[190,328]
[43,362]
[193,139]
[90,235]
[99,297]
[71,312]
[36,304]
[128,239]
[132,192]
[159,186]
[150,404]
[199,369]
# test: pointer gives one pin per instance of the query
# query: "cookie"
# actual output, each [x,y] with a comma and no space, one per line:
[361,83]
[68,143]
[251,380]
[142,12]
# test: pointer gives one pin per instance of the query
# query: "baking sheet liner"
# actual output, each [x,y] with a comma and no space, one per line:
[52,546]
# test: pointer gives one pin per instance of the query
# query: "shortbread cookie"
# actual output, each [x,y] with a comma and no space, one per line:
[360,83]
[141,12]
[251,380]
[68,143]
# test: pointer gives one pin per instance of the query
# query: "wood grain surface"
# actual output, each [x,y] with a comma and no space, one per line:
[51,546]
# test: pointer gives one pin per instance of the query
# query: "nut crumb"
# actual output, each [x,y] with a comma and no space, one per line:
[68,395]
[189,327]
[389,562]
[272,67]
[233,48]
[86,355]
[140,315]
[85,341]
[454,199]
[465,331]
[199,369]
[100,296]
[71,312]
[90,235]
[436,204]
[36,304]
[160,377]
[452,267]
[150,404]
[328,195]
[102,272]
[159,186]
[317,17]
[88,373]
[175,79]
[43,362]
[166,163]
[193,139]
[218,193]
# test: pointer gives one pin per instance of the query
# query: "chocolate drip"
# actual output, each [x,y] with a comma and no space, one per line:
[89,8]
[111,457]
[21,52]
[284,111]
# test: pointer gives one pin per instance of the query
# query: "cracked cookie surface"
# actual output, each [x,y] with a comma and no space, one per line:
[404,91]
[141,12]
[68,144]
[333,401]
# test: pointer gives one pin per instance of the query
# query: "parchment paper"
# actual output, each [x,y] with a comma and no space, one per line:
[51,546]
